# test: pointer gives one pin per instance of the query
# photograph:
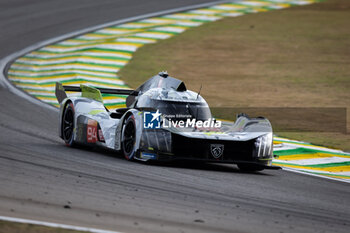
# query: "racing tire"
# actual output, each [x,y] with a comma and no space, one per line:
[129,138]
[249,167]
[68,125]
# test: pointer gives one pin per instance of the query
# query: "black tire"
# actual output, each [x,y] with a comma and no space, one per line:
[129,138]
[249,167]
[68,125]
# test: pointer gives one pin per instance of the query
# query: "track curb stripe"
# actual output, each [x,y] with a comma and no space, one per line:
[88,51]
[310,159]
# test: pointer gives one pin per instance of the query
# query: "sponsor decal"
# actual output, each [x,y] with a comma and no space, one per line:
[91,134]
[100,135]
[145,155]
[216,150]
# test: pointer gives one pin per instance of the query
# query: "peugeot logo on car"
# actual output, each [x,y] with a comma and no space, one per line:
[216,150]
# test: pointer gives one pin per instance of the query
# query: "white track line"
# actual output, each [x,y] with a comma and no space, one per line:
[57,225]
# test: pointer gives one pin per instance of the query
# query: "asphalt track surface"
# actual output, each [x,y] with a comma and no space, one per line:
[39,175]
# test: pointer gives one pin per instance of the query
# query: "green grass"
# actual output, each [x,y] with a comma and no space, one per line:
[295,57]
[12,227]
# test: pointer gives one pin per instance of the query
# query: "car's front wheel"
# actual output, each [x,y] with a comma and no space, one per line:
[129,138]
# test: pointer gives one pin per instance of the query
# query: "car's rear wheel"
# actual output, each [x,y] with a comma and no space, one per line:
[129,138]
[249,167]
[68,125]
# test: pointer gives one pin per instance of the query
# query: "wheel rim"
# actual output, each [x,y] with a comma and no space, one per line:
[68,124]
[129,138]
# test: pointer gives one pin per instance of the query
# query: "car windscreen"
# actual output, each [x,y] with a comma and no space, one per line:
[182,110]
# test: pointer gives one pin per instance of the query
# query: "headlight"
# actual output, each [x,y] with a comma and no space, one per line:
[263,146]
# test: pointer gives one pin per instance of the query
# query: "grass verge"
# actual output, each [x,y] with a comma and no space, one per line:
[12,227]
[296,57]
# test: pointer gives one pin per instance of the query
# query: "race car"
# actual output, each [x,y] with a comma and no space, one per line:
[163,121]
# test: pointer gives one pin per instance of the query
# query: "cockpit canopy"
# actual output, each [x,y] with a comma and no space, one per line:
[175,104]
[162,80]
[171,97]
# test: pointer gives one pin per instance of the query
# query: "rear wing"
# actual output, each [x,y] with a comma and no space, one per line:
[90,92]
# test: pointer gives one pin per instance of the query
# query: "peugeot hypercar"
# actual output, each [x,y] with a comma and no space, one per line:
[163,121]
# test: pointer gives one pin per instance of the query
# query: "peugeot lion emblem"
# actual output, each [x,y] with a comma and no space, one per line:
[216,150]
